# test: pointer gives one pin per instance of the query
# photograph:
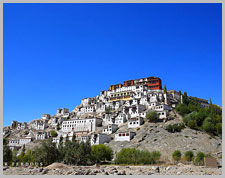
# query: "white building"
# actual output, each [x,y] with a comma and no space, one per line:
[81,125]
[21,126]
[163,114]
[135,122]
[162,107]
[42,135]
[40,124]
[100,138]
[124,136]
[64,112]
[120,119]
[108,119]
[46,116]
[109,129]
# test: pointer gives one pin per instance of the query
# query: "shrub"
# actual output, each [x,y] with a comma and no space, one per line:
[175,127]
[208,125]
[219,128]
[192,124]
[156,155]
[53,133]
[58,127]
[188,155]
[135,156]
[176,155]
[199,159]
[152,116]
[182,109]
[101,153]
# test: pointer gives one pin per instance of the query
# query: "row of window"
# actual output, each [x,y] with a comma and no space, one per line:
[133,123]
[82,121]
[154,86]
[123,134]
[121,94]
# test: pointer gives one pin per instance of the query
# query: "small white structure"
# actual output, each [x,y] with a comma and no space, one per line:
[64,112]
[81,125]
[124,136]
[108,119]
[120,119]
[163,114]
[24,140]
[42,135]
[21,126]
[40,124]
[85,102]
[162,107]
[135,122]
[46,116]
[100,138]
[109,129]
[14,143]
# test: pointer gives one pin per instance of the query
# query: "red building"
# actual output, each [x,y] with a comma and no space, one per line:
[128,83]
[153,83]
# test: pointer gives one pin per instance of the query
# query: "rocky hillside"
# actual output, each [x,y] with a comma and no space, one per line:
[154,137]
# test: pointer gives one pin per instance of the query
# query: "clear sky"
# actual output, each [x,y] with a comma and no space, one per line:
[56,54]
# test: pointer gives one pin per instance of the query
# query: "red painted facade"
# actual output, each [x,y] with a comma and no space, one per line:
[128,83]
[153,83]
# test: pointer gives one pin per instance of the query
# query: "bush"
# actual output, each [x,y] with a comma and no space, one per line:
[219,128]
[208,125]
[176,155]
[156,155]
[199,159]
[53,133]
[136,157]
[175,127]
[152,116]
[192,124]
[188,155]
[182,109]
[101,153]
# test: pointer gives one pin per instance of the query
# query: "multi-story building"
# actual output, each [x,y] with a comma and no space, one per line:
[81,125]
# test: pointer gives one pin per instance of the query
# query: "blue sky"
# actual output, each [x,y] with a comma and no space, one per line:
[56,54]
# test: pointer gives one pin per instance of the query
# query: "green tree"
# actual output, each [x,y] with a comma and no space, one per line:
[176,155]
[7,154]
[208,125]
[58,127]
[192,124]
[14,155]
[60,149]
[182,109]
[53,133]
[22,154]
[219,129]
[101,153]
[108,110]
[47,153]
[164,89]
[152,116]
[185,99]
[188,155]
